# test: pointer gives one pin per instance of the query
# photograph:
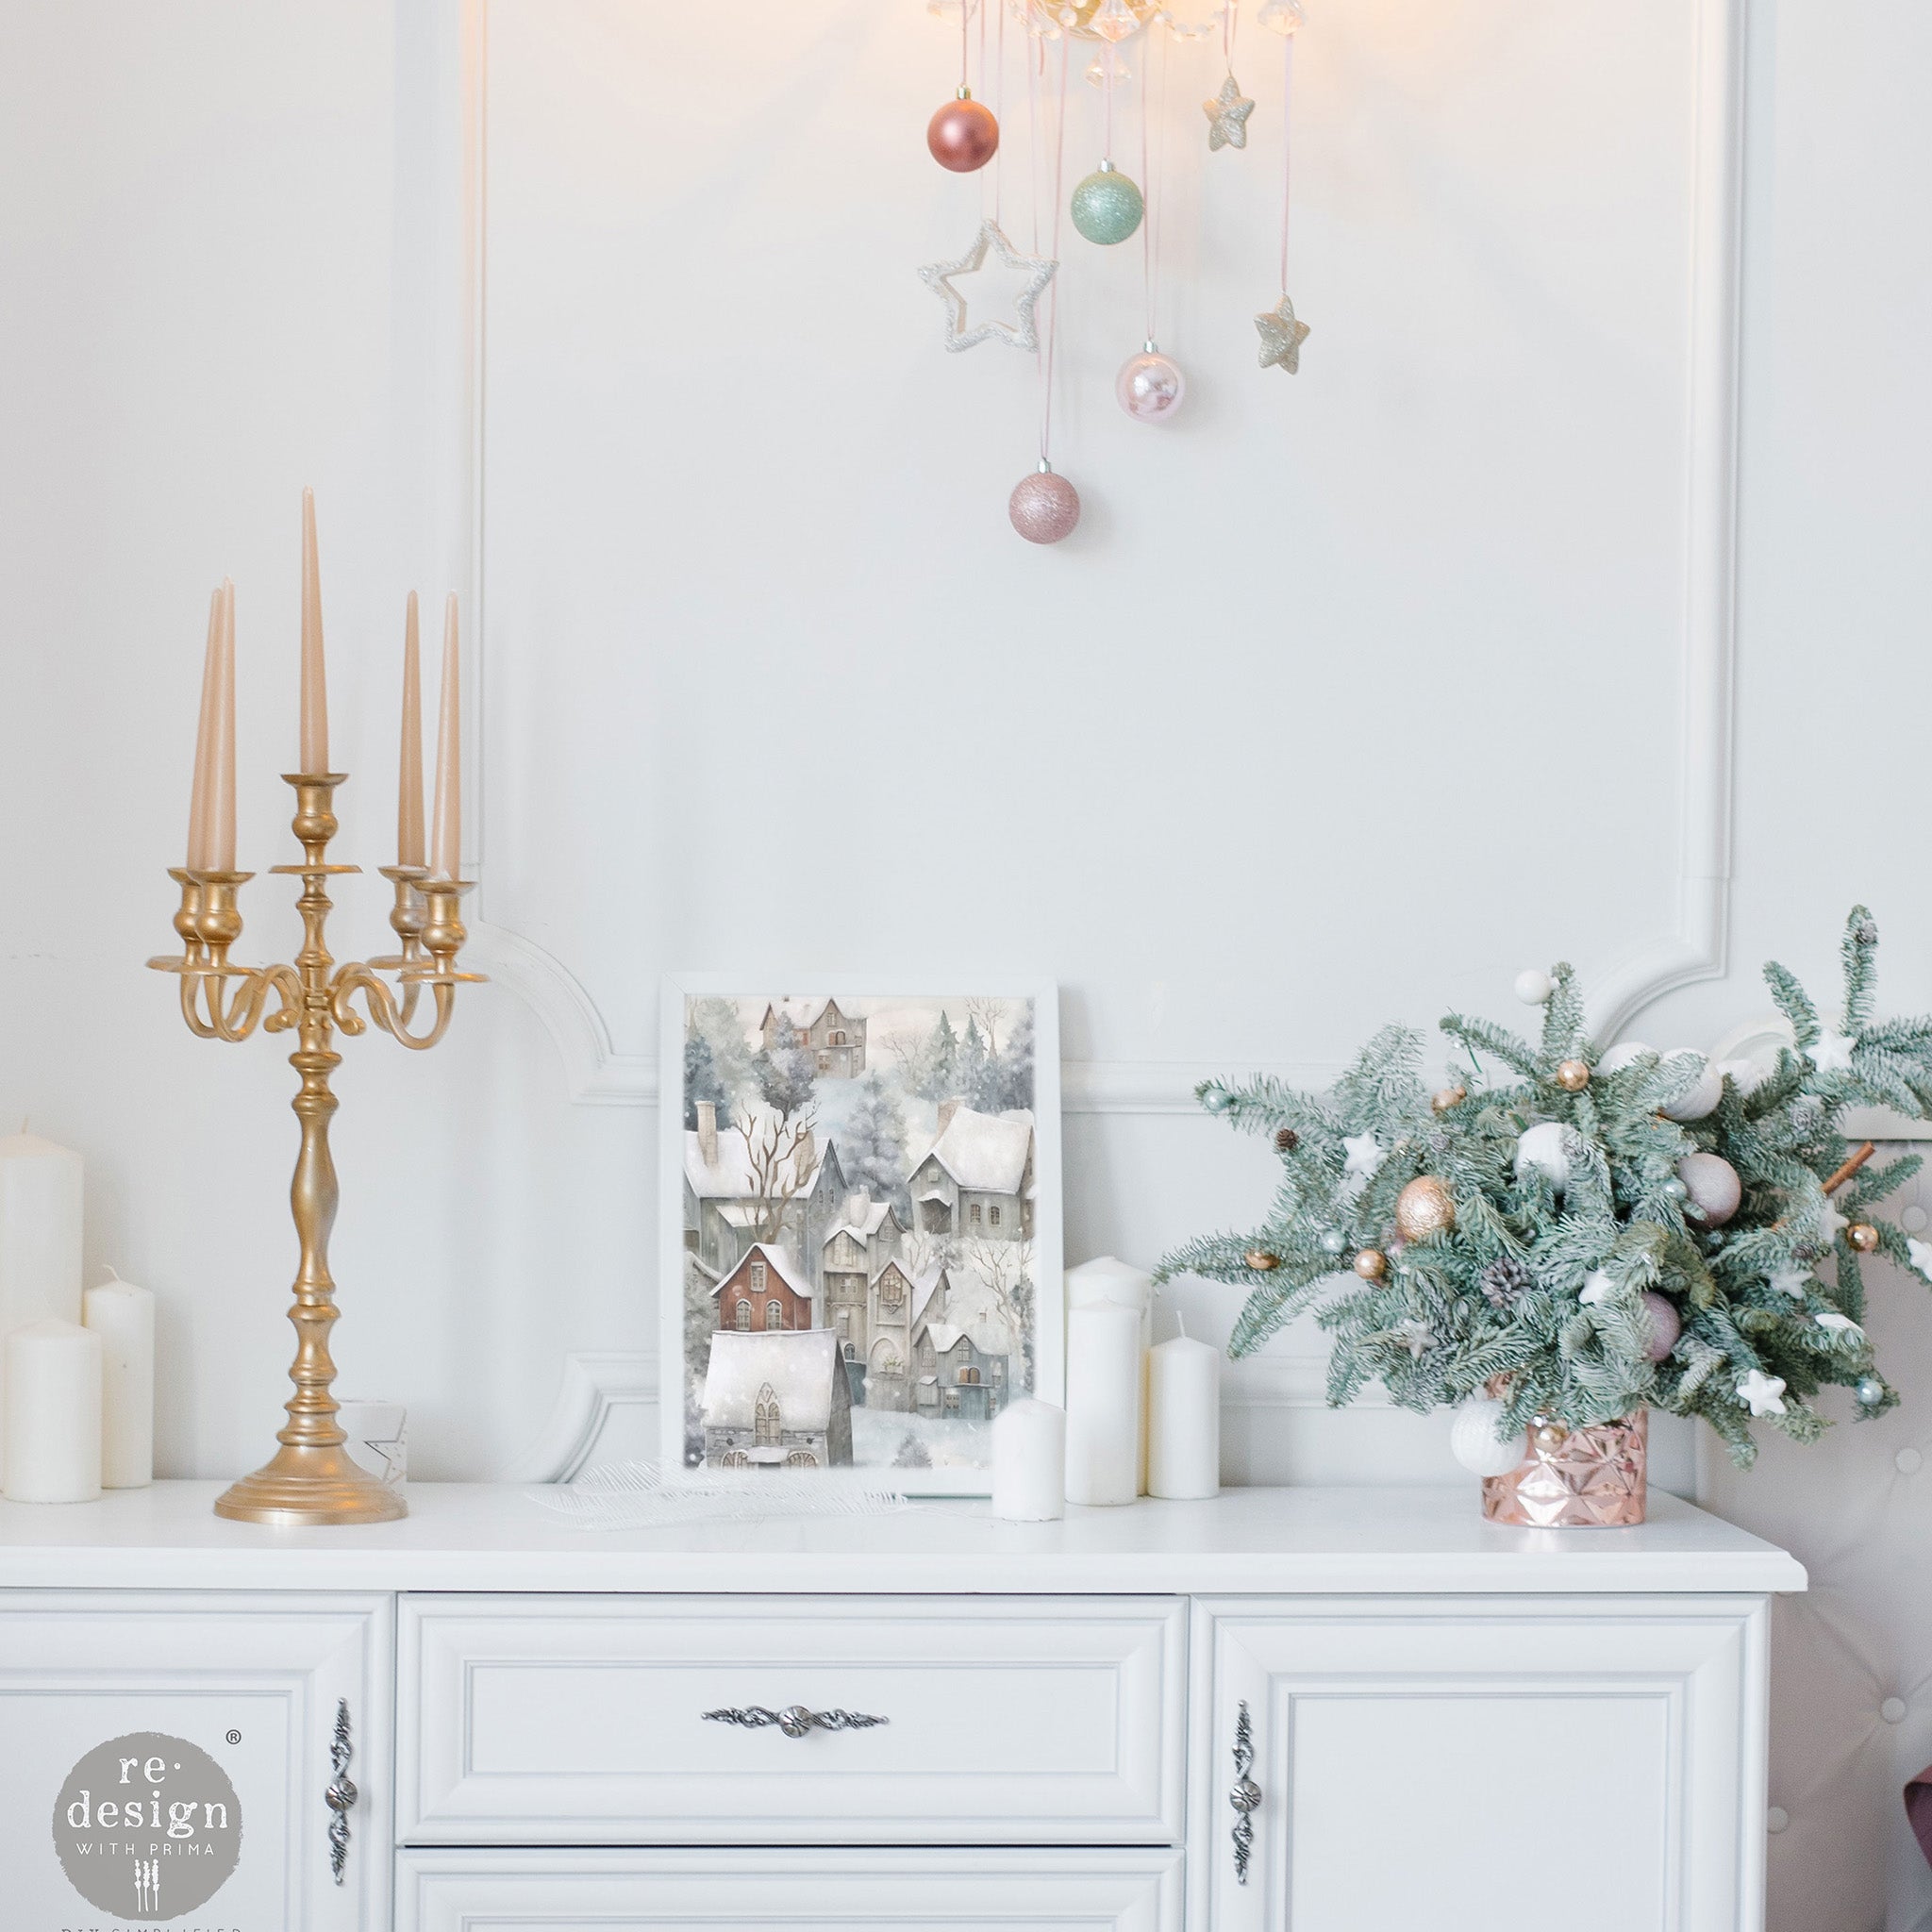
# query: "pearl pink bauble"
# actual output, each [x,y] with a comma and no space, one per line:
[1665,1326]
[1044,508]
[1714,1185]
[1150,387]
[963,135]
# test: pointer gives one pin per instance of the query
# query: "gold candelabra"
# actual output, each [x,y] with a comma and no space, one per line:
[310,1479]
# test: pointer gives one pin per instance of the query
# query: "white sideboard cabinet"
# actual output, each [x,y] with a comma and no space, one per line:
[1294,1710]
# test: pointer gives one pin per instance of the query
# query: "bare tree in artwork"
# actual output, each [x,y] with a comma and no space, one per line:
[992,1015]
[782,1158]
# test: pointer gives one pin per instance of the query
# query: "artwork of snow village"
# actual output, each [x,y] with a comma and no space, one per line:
[858,1229]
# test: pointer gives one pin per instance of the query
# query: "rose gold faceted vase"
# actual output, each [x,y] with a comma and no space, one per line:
[1574,1478]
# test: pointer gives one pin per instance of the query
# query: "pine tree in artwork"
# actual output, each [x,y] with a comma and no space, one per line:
[872,1147]
[1586,1234]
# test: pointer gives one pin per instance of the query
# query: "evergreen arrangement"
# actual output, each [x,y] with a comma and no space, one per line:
[1581,1235]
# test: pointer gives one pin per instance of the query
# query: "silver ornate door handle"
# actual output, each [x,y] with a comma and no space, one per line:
[341,1793]
[1246,1795]
[795,1720]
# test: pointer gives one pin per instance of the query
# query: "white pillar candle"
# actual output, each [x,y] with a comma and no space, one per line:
[1110,1280]
[1104,1371]
[123,1317]
[1183,1419]
[53,1377]
[40,1237]
[1030,1463]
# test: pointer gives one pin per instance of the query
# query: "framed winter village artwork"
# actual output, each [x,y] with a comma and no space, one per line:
[861,1217]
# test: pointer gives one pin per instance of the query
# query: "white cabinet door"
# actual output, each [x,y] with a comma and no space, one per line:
[1466,1764]
[787,1891]
[155,1746]
[924,1721]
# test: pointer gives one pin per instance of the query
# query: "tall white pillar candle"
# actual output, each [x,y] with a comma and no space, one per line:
[1030,1463]
[40,1237]
[53,1376]
[123,1317]
[1183,1419]
[1110,1280]
[1104,1368]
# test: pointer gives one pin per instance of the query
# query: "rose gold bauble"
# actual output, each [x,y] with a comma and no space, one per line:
[1572,1076]
[963,135]
[1261,1260]
[1424,1207]
[1044,508]
[1372,1264]
[1150,386]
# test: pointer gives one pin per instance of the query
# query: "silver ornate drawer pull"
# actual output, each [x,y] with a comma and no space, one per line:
[1246,1795]
[341,1794]
[795,1720]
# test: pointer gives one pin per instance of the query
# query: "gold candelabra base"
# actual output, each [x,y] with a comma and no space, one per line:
[310,1483]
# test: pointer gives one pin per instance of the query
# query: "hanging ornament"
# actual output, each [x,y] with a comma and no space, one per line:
[1715,1189]
[1043,507]
[1443,1098]
[1260,1261]
[1572,1076]
[1228,117]
[1425,1207]
[1150,387]
[1473,1440]
[1018,334]
[1540,1150]
[1283,16]
[1666,1325]
[1114,21]
[963,135]
[1703,1098]
[1282,337]
[1862,1236]
[1106,207]
[1533,986]
[1372,1264]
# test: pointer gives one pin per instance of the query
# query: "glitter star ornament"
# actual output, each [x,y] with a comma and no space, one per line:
[1228,117]
[1282,337]
[1020,333]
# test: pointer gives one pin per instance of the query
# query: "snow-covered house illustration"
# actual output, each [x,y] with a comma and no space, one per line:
[836,1039]
[729,1204]
[777,1401]
[865,1237]
[963,1344]
[892,1294]
[765,1293]
[977,1178]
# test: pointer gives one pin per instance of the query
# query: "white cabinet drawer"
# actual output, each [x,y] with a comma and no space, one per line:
[787,1891]
[570,1720]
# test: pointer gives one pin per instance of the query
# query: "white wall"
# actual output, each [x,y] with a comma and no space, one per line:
[1352,694]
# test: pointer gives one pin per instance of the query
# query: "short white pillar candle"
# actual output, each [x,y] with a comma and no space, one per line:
[53,1376]
[1030,1463]
[123,1317]
[1184,1419]
[1109,1279]
[1104,1368]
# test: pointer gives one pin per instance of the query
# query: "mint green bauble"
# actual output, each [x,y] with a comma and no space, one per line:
[1106,206]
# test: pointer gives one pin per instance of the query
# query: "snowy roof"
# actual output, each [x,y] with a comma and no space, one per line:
[865,1226]
[922,1289]
[782,1265]
[731,1178]
[893,1262]
[804,1014]
[971,1308]
[986,1152]
[802,1365]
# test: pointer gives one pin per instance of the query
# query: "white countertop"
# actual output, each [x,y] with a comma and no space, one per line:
[482,1537]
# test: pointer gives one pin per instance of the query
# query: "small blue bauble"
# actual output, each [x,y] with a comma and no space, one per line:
[1106,206]
[1334,1242]
[1871,1392]
[1676,1191]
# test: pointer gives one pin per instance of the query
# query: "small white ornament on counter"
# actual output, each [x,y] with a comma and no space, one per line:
[1105,1376]
[1108,1279]
[123,1317]
[1030,1463]
[53,1380]
[1184,1419]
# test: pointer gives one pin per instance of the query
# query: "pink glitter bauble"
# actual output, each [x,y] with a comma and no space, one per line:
[1044,508]
[962,136]
[1150,387]
[1665,1326]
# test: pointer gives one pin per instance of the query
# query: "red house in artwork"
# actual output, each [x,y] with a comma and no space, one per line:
[766,1291]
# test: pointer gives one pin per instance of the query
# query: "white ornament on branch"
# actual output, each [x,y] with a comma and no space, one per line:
[1474,1442]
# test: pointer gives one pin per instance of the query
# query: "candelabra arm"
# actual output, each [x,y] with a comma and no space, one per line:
[389,1012]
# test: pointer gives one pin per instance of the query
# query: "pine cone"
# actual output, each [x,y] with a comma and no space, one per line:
[1506,1282]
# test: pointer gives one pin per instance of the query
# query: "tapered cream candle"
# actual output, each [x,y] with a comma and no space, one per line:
[446,856]
[1104,1358]
[1030,1463]
[123,1317]
[409,782]
[1183,1419]
[53,1379]
[221,793]
[314,677]
[198,843]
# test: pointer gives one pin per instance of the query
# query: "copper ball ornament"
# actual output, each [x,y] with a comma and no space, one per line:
[963,135]
[1043,507]
[1572,1076]
[1862,1236]
[1261,1260]
[1372,1264]
[1446,1097]
[1425,1207]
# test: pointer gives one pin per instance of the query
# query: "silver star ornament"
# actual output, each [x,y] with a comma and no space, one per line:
[1282,338]
[1228,117]
[1019,333]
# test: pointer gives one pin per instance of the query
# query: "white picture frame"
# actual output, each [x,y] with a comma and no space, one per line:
[716,1197]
